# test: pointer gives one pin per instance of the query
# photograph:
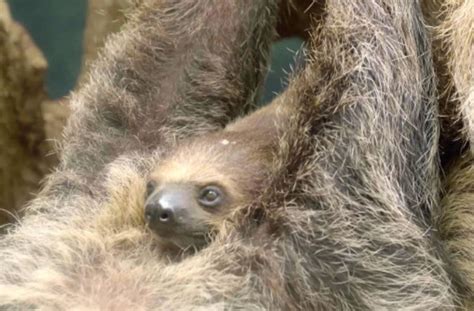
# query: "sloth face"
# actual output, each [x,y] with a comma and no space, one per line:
[182,213]
[199,184]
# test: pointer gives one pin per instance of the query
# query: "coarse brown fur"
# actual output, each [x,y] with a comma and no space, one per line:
[179,68]
[456,222]
[341,226]
[297,17]
[451,28]
[455,33]
[451,25]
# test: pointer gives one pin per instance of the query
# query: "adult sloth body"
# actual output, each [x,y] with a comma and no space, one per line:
[340,225]
[452,37]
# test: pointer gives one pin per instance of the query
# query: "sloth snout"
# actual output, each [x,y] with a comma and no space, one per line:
[167,210]
[155,213]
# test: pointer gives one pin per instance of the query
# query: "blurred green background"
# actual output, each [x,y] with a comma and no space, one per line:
[57,28]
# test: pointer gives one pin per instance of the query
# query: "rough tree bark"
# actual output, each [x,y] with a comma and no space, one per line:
[23,149]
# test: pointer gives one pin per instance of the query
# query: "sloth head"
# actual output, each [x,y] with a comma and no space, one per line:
[200,183]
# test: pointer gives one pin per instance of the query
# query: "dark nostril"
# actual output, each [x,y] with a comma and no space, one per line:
[165,216]
[155,213]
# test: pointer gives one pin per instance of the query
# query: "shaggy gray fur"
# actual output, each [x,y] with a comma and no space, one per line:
[342,226]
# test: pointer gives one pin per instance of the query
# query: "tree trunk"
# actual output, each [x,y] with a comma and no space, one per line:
[23,151]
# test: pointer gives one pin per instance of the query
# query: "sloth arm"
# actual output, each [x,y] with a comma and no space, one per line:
[178,68]
[371,178]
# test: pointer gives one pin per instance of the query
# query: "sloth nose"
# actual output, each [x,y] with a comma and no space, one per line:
[168,209]
[156,214]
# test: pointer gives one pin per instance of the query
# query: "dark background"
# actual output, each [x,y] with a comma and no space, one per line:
[57,28]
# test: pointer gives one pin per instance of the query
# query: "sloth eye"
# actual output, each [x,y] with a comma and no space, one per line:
[210,196]
[150,187]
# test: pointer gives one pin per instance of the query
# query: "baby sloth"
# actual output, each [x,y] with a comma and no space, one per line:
[205,179]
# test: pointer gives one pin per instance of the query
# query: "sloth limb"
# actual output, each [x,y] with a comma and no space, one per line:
[451,27]
[452,31]
[454,44]
[178,68]
[456,33]
[455,224]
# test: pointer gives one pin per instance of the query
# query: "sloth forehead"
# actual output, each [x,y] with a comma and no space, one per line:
[190,170]
[202,163]
[227,159]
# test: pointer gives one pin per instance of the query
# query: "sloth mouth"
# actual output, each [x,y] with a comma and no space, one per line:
[181,238]
[188,241]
